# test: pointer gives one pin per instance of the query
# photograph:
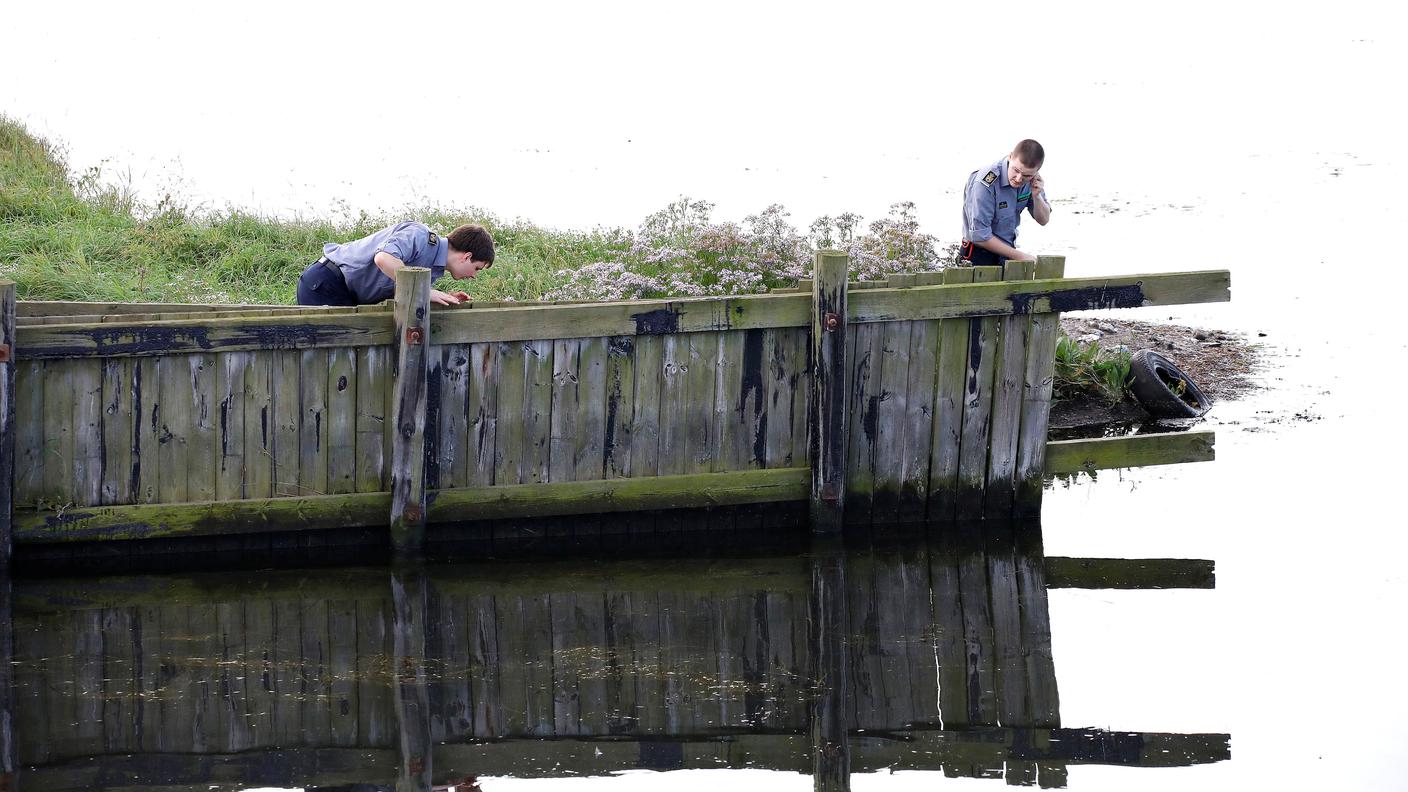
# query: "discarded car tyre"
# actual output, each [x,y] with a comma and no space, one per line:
[1164,390]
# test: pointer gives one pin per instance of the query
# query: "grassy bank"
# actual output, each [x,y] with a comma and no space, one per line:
[67,236]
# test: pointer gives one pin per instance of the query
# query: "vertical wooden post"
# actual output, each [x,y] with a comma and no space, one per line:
[828,400]
[409,690]
[830,702]
[409,402]
[7,418]
[1036,396]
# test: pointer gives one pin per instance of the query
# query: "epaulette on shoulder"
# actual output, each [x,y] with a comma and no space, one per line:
[990,178]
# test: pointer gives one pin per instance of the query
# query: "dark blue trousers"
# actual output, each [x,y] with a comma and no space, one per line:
[322,284]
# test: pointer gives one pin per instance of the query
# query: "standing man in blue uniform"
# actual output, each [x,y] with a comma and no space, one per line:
[993,203]
[363,272]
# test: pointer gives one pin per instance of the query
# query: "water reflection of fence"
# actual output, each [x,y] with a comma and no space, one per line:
[132,425]
[561,669]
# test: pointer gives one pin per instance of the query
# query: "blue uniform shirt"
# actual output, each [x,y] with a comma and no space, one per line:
[412,242]
[992,207]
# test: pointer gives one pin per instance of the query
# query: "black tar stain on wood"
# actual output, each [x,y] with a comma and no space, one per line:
[432,427]
[662,321]
[136,430]
[144,340]
[1085,299]
[753,383]
[975,353]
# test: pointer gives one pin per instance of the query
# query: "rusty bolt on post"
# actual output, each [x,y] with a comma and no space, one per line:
[831,321]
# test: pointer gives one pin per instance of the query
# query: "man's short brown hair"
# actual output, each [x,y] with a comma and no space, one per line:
[1030,153]
[475,240]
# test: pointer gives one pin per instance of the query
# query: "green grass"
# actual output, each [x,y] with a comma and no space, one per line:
[1084,370]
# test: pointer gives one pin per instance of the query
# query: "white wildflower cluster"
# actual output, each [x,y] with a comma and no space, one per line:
[606,281]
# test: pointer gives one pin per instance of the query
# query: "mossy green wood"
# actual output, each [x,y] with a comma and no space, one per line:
[230,371]
[62,308]
[313,424]
[482,414]
[948,409]
[619,421]
[512,399]
[920,388]
[566,394]
[340,418]
[30,456]
[203,438]
[589,455]
[86,380]
[537,412]
[214,518]
[373,384]
[259,426]
[891,419]
[1107,453]
[1038,377]
[177,422]
[176,336]
[977,406]
[147,403]
[1009,383]
[646,438]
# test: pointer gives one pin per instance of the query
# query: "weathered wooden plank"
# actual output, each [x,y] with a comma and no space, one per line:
[88,680]
[777,354]
[619,431]
[456,629]
[512,403]
[286,418]
[590,454]
[373,386]
[34,308]
[535,643]
[58,432]
[119,692]
[288,672]
[674,406]
[30,440]
[259,425]
[1104,453]
[565,396]
[314,688]
[231,370]
[892,379]
[210,731]
[177,699]
[537,411]
[86,380]
[408,414]
[260,662]
[1009,665]
[235,677]
[977,406]
[482,414]
[701,412]
[1009,382]
[864,415]
[649,389]
[803,391]
[920,388]
[484,668]
[342,671]
[177,424]
[313,426]
[1038,377]
[340,418]
[202,438]
[730,441]
[232,334]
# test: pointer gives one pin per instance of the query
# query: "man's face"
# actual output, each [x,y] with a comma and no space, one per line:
[463,265]
[1017,171]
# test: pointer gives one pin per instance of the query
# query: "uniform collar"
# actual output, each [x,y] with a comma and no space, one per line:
[1002,173]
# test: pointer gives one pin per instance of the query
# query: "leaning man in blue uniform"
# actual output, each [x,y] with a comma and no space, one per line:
[363,272]
[993,203]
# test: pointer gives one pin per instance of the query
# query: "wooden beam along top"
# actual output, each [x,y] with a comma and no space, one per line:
[639,317]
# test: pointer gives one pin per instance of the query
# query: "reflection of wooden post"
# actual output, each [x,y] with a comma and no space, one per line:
[830,704]
[9,762]
[408,410]
[408,685]
[7,417]
[828,399]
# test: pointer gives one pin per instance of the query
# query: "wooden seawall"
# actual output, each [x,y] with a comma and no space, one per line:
[153,421]
[568,669]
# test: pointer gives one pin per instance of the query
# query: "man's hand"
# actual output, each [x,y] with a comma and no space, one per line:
[438,297]
[1022,255]
[1038,185]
